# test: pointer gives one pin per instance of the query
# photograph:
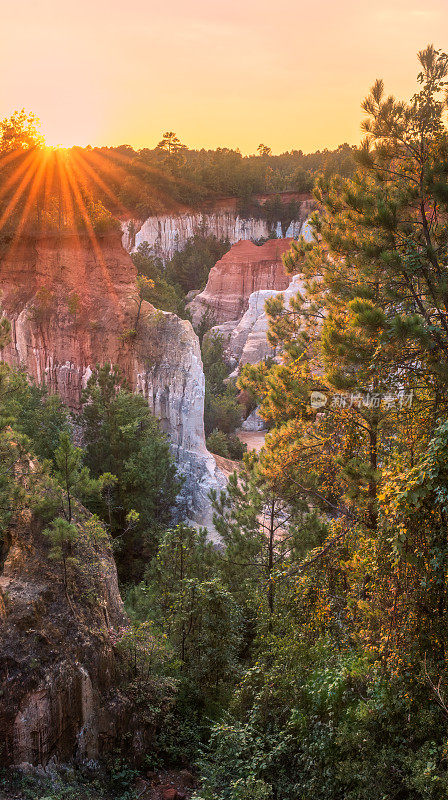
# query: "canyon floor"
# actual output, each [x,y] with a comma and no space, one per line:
[254,441]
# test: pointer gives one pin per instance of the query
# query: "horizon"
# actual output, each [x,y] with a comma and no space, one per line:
[96,75]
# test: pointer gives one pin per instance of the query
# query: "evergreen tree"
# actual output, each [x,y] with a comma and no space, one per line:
[62,536]
[182,592]
[124,439]
[73,477]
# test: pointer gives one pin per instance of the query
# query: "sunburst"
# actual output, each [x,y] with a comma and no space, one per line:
[56,192]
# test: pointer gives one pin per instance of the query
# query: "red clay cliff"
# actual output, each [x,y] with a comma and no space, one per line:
[246,268]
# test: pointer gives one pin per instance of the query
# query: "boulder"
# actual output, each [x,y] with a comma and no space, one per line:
[254,422]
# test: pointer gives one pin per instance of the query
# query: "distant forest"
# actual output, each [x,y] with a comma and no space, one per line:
[172,174]
[46,190]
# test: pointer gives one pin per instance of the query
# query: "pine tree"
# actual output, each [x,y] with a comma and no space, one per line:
[382,241]
[62,536]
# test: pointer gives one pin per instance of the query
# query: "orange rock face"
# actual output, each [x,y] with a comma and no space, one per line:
[69,304]
[246,268]
[72,305]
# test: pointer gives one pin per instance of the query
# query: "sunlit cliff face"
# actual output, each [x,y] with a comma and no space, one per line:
[47,191]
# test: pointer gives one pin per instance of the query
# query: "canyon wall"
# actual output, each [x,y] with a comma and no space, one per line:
[244,269]
[245,340]
[58,666]
[168,233]
[73,304]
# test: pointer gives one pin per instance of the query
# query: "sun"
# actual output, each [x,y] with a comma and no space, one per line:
[61,143]
[60,134]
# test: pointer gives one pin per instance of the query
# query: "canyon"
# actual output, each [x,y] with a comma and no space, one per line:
[73,303]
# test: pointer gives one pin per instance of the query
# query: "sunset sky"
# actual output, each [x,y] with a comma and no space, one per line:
[289,73]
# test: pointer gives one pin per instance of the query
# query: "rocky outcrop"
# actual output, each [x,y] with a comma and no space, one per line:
[58,668]
[245,341]
[73,304]
[244,269]
[254,422]
[168,233]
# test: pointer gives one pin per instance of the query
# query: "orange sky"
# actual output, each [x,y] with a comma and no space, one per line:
[289,73]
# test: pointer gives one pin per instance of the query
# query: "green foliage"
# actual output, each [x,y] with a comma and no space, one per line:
[226,445]
[315,722]
[5,332]
[69,783]
[73,477]
[222,410]
[189,268]
[62,536]
[9,490]
[124,440]
[31,422]
[162,294]
[215,368]
[196,612]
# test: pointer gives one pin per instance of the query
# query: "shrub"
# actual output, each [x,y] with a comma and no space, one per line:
[226,445]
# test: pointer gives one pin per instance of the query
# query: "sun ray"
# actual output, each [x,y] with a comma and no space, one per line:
[13,155]
[66,194]
[49,174]
[36,183]
[98,181]
[91,234]
[9,183]
[107,164]
[84,284]
[20,190]
[119,162]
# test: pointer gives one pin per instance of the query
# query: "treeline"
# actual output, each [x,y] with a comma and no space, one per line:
[88,189]
[194,177]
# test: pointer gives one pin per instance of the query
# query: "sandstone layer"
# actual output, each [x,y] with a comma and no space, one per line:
[168,233]
[244,269]
[245,341]
[73,304]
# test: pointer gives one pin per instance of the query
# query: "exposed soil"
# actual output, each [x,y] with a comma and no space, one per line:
[253,439]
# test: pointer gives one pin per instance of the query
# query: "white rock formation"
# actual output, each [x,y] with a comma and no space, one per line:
[254,422]
[175,391]
[168,233]
[245,340]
